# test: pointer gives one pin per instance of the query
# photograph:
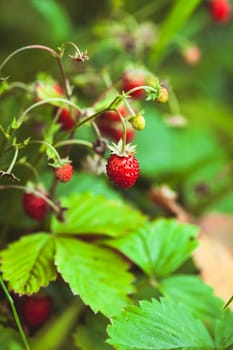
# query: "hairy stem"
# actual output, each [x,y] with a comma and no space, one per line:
[74,142]
[13,160]
[48,100]
[35,192]
[15,314]
[29,47]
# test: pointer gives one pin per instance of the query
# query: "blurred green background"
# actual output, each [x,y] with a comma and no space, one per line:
[153,34]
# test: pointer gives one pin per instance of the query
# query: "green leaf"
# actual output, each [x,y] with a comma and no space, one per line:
[56,16]
[82,182]
[93,214]
[224,331]
[28,264]
[159,247]
[195,295]
[92,335]
[158,325]
[172,155]
[97,274]
[178,16]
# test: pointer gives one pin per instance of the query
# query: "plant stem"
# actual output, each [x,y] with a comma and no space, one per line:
[31,167]
[48,100]
[64,78]
[37,193]
[89,118]
[29,47]
[53,149]
[124,130]
[13,160]
[15,314]
[141,87]
[74,142]
[130,109]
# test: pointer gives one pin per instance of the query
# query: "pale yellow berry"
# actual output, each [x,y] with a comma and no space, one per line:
[138,122]
[163,95]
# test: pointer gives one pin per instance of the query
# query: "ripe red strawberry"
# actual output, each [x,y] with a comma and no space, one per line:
[110,125]
[220,10]
[34,206]
[45,90]
[113,115]
[64,118]
[114,131]
[36,310]
[59,89]
[123,167]
[64,173]
[133,79]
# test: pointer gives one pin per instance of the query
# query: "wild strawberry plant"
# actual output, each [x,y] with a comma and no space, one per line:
[129,278]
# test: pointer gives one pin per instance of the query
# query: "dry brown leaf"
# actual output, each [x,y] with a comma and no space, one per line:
[215,262]
[218,226]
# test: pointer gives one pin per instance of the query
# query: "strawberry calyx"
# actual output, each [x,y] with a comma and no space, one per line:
[121,149]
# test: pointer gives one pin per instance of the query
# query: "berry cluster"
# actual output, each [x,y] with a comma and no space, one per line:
[118,123]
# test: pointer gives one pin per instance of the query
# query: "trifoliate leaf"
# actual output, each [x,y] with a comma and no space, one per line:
[94,214]
[158,325]
[28,264]
[224,331]
[92,334]
[159,247]
[96,274]
[194,294]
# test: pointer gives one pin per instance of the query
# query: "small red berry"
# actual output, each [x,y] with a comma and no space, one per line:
[131,80]
[45,90]
[64,118]
[35,206]
[59,89]
[113,115]
[64,173]
[220,10]
[36,310]
[114,131]
[123,170]
[110,125]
